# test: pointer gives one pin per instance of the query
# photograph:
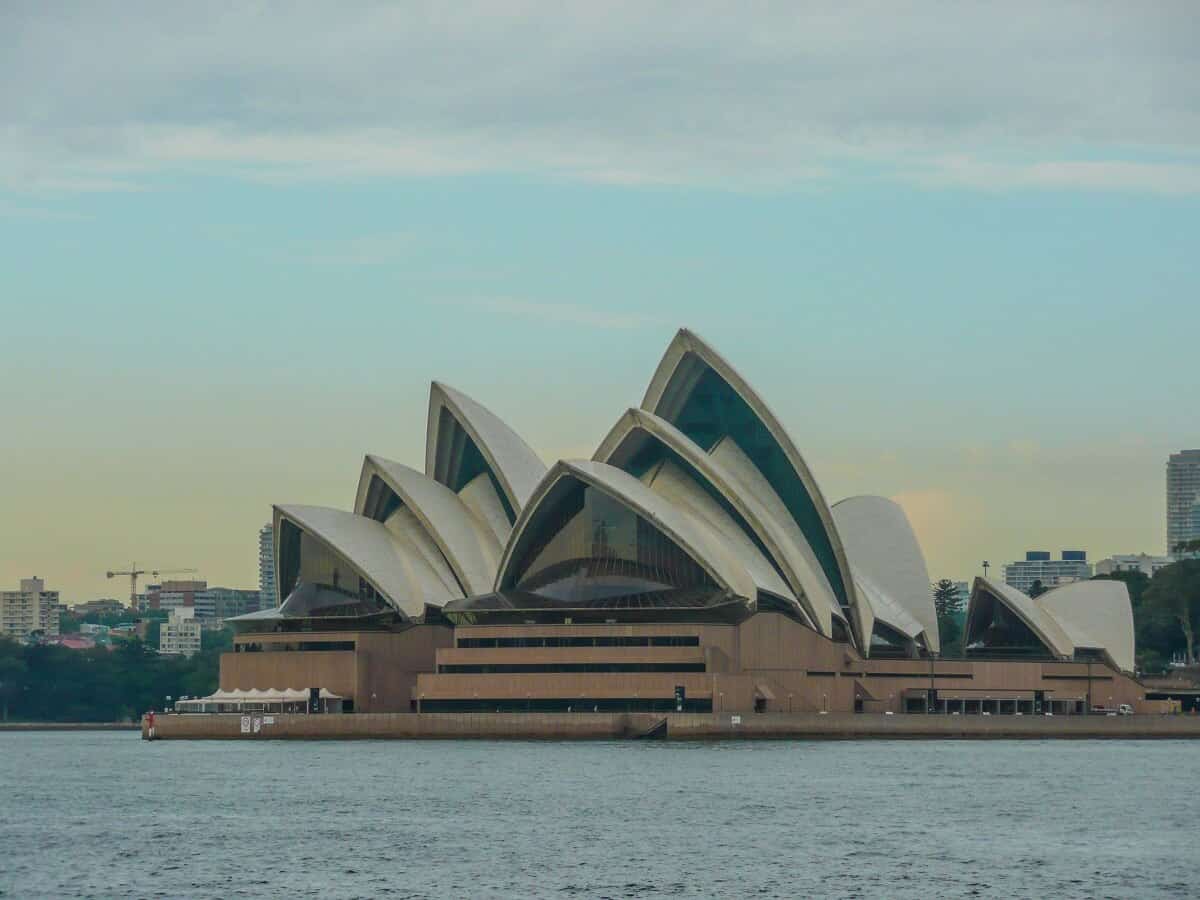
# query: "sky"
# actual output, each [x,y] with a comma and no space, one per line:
[955,248]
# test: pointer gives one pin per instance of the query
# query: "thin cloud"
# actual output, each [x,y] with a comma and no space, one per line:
[1020,96]
[1083,175]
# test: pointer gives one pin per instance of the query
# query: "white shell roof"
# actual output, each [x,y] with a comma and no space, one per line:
[1045,626]
[884,607]
[469,546]
[516,467]
[670,380]
[1096,615]
[883,550]
[393,567]
[786,546]
[675,485]
[691,534]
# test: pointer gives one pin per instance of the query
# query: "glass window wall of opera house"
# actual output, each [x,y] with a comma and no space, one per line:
[692,564]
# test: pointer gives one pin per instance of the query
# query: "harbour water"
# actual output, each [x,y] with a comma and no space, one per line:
[108,815]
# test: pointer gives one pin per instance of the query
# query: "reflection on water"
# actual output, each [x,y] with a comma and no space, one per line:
[106,815]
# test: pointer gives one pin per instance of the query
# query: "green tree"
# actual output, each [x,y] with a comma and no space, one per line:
[1174,591]
[1157,633]
[1192,546]
[12,673]
[948,604]
[1037,588]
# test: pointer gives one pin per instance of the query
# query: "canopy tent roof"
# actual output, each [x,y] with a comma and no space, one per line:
[267,695]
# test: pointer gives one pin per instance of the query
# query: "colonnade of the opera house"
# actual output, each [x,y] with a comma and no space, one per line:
[767,663]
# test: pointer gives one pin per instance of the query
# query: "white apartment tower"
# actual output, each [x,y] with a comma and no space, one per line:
[30,609]
[180,634]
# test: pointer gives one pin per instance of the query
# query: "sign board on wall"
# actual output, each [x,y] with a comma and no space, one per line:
[245,724]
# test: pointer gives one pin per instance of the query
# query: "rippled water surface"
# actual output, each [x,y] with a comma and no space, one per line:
[106,815]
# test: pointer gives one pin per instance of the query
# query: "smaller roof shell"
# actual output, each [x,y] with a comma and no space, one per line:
[691,534]
[1044,626]
[396,570]
[883,550]
[512,462]
[1096,615]
[469,546]
[806,585]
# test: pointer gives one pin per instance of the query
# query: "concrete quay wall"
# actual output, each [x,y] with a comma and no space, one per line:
[68,726]
[602,726]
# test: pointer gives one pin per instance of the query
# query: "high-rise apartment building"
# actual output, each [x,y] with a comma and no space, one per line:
[28,610]
[1183,497]
[181,632]
[1038,566]
[266,567]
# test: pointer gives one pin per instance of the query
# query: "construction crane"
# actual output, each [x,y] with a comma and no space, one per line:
[133,572]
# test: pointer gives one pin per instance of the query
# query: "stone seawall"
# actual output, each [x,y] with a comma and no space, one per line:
[606,726]
[68,726]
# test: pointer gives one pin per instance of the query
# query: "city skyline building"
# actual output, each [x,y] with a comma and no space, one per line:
[180,634]
[1038,566]
[29,609]
[1183,498]
[266,567]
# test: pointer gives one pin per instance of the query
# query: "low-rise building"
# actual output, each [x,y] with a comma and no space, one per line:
[105,606]
[180,634]
[1038,566]
[189,593]
[1133,562]
[29,610]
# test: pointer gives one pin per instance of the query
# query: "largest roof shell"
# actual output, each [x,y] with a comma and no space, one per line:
[688,364]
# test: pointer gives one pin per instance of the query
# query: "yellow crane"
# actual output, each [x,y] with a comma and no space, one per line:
[133,572]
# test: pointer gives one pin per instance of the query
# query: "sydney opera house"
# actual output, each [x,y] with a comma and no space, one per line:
[692,564]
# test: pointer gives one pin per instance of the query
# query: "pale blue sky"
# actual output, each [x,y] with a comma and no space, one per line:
[957,255]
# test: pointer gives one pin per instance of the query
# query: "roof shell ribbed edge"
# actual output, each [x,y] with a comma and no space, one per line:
[515,466]
[668,387]
[470,548]
[798,572]
[691,535]
[372,551]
